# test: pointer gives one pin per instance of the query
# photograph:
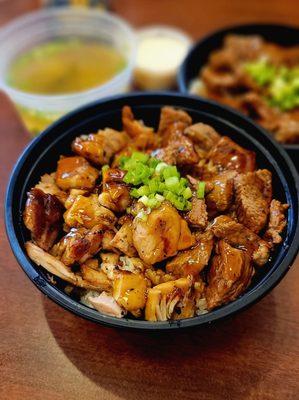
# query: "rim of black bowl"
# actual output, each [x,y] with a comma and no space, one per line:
[183,83]
[79,309]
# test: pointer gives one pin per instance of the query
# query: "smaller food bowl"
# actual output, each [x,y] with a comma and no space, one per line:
[41,157]
[36,110]
[199,55]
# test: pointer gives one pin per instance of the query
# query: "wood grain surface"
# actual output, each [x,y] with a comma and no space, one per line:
[47,353]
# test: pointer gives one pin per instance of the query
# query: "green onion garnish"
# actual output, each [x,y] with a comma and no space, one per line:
[154,181]
[201,190]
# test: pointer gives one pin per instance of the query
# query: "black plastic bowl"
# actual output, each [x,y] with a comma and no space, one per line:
[200,52]
[41,156]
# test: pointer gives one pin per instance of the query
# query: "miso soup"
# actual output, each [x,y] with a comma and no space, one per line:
[63,66]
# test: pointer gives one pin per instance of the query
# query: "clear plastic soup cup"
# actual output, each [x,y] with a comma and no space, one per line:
[38,111]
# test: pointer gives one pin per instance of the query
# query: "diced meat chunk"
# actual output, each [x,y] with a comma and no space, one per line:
[106,304]
[115,194]
[129,290]
[43,217]
[228,155]
[75,173]
[186,239]
[48,185]
[253,196]
[87,212]
[78,245]
[197,216]
[277,222]
[163,299]
[237,235]
[91,273]
[56,267]
[100,147]
[202,135]
[159,237]
[123,240]
[143,136]
[192,261]
[169,116]
[219,198]
[179,149]
[230,274]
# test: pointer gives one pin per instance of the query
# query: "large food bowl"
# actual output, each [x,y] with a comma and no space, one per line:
[42,154]
[198,56]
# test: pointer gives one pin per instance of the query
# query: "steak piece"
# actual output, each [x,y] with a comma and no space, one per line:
[202,135]
[253,196]
[237,235]
[230,274]
[228,155]
[168,117]
[219,199]
[277,222]
[197,216]
[192,261]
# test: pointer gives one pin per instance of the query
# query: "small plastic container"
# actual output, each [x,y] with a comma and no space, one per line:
[38,111]
[160,51]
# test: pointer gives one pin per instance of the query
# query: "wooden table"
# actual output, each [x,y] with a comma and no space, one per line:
[48,354]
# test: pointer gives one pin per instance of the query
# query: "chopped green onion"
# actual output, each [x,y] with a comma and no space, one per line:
[105,168]
[172,184]
[201,190]
[160,167]
[153,181]
[141,157]
[170,171]
[187,193]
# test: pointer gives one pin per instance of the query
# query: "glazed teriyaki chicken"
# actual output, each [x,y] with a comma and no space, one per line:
[259,78]
[154,225]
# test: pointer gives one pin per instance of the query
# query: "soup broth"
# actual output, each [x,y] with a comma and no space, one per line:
[64,66]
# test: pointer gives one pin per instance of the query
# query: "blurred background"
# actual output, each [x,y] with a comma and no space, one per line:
[197,17]
[155,66]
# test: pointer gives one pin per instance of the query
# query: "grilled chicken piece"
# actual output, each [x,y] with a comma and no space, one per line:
[158,237]
[192,261]
[219,198]
[202,135]
[186,239]
[87,212]
[74,193]
[56,267]
[162,299]
[123,240]
[100,147]
[78,245]
[197,216]
[105,304]
[253,196]
[277,222]
[48,185]
[43,217]
[92,274]
[239,236]
[168,117]
[115,194]
[157,276]
[143,137]
[75,173]
[230,274]
[129,290]
[228,155]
